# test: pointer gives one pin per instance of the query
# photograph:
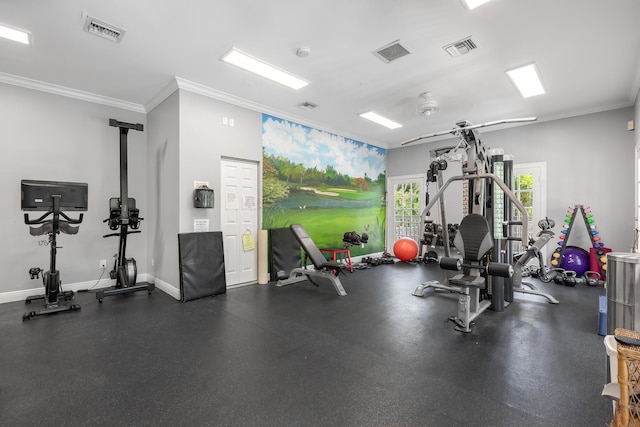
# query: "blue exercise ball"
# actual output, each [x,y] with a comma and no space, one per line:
[575,259]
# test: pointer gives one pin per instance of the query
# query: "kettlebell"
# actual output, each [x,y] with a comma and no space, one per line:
[592,278]
[570,278]
[560,275]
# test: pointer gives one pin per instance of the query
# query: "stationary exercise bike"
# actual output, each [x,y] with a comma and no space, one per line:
[123,215]
[52,197]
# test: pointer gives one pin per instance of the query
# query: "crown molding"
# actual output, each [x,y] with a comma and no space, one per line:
[69,92]
[199,89]
[175,84]
[164,93]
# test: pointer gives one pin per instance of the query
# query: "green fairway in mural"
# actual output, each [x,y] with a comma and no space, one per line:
[329,184]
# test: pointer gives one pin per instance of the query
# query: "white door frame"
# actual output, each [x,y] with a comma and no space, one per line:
[239,219]
[539,172]
[392,181]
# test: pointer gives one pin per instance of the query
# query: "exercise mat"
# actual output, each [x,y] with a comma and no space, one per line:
[285,253]
[202,270]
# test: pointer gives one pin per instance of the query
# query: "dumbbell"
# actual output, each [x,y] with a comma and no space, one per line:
[534,270]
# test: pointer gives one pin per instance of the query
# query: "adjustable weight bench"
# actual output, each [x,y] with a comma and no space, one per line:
[323,269]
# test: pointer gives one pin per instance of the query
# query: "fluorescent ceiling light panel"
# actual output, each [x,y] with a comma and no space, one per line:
[376,118]
[15,34]
[256,66]
[472,4]
[527,80]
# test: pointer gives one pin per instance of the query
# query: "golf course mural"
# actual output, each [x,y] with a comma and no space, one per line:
[329,184]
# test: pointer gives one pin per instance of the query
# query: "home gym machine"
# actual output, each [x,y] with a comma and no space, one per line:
[52,197]
[533,251]
[486,195]
[123,215]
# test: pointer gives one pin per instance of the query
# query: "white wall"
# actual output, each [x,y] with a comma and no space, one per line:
[51,137]
[163,189]
[204,141]
[187,140]
[589,161]
[54,138]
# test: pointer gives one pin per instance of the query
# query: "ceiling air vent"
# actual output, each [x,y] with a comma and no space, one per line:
[103,29]
[461,47]
[391,52]
[308,105]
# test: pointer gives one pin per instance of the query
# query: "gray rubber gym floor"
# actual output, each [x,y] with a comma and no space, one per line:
[303,356]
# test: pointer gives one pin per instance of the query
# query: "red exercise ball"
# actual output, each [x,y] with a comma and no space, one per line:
[405,249]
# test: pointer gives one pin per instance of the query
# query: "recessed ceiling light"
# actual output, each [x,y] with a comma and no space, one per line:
[527,80]
[14,34]
[376,118]
[261,68]
[472,4]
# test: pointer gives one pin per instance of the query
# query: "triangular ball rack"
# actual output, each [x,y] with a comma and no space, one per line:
[593,233]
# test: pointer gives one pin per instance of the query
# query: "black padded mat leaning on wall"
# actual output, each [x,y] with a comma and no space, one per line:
[284,253]
[202,270]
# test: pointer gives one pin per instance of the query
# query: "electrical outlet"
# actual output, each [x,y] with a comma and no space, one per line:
[103,263]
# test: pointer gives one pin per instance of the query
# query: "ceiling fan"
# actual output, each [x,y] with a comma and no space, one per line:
[428,105]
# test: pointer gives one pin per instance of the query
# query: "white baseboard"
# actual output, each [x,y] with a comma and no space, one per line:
[22,295]
[165,287]
[355,259]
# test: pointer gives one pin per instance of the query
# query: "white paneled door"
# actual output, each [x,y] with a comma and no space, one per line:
[239,200]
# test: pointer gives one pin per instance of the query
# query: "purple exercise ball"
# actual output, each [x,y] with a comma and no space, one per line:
[575,259]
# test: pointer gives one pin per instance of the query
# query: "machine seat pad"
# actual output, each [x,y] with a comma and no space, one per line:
[467,280]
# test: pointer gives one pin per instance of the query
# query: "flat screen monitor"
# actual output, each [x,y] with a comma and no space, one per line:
[38,195]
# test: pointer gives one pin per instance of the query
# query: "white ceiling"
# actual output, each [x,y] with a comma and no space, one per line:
[586,50]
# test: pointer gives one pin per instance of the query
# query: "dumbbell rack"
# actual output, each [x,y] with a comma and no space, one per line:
[594,236]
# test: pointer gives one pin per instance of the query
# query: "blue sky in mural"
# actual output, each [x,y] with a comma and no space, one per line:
[312,147]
